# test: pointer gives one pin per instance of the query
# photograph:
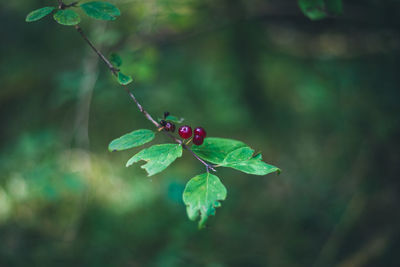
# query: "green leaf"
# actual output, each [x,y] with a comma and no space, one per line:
[116,60]
[101,10]
[124,79]
[319,9]
[174,119]
[158,157]
[233,154]
[215,150]
[39,13]
[202,195]
[133,139]
[67,17]
[253,166]
[313,9]
[240,154]
[242,159]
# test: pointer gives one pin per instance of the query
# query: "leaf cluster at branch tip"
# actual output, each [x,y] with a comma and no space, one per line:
[68,17]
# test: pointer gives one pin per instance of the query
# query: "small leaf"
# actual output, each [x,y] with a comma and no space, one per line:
[319,9]
[39,13]
[116,60]
[67,17]
[313,9]
[202,195]
[174,119]
[158,157]
[101,10]
[215,150]
[133,139]
[124,79]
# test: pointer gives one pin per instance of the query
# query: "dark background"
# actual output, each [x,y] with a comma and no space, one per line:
[318,98]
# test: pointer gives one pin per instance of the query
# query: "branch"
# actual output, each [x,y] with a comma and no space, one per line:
[108,63]
[115,71]
[146,114]
[73,4]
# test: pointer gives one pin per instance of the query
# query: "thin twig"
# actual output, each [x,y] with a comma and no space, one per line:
[73,4]
[115,71]
[108,63]
[145,113]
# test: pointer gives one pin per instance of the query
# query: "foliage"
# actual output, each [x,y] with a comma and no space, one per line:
[158,157]
[319,9]
[174,119]
[101,10]
[116,60]
[124,79]
[202,195]
[39,13]
[132,139]
[202,192]
[67,17]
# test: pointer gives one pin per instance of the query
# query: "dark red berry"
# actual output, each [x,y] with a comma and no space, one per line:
[170,127]
[198,140]
[166,114]
[200,131]
[185,131]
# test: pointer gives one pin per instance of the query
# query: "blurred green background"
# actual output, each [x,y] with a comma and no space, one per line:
[318,98]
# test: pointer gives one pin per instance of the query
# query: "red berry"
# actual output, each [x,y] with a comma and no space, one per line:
[198,140]
[200,131]
[185,131]
[169,127]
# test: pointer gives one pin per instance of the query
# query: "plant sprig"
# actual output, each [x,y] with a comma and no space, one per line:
[203,193]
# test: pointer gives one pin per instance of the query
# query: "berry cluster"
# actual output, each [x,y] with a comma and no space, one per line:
[184,131]
[199,134]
